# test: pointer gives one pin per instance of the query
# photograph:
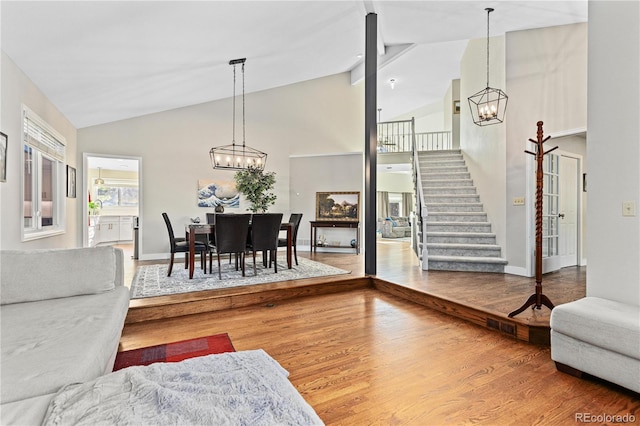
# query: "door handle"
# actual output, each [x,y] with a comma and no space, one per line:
[561,215]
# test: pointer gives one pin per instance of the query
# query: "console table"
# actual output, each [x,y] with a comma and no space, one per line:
[333,224]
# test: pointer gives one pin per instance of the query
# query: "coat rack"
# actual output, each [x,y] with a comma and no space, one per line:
[538,299]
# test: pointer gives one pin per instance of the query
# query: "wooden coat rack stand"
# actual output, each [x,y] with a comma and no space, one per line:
[538,299]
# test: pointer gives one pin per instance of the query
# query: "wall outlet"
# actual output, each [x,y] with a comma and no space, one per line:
[518,201]
[628,208]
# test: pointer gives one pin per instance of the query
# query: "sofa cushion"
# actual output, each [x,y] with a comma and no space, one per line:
[600,322]
[51,343]
[27,276]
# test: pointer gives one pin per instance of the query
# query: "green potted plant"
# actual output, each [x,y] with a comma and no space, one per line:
[255,184]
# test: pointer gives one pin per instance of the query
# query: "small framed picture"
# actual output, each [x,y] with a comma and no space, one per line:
[71,182]
[456,107]
[4,140]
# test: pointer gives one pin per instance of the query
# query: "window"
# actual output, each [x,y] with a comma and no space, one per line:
[44,180]
[117,193]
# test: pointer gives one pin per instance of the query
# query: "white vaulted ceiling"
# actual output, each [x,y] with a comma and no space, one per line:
[105,61]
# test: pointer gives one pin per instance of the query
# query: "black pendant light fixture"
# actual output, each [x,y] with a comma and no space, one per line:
[489,105]
[237,157]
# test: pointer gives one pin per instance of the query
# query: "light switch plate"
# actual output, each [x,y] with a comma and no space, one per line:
[628,208]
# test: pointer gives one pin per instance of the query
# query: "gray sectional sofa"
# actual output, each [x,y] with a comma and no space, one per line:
[62,314]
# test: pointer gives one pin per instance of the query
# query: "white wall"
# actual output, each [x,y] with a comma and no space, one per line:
[322,116]
[428,118]
[395,182]
[546,80]
[484,147]
[17,90]
[325,173]
[613,146]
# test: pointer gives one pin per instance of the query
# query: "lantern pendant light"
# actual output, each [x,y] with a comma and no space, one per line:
[489,105]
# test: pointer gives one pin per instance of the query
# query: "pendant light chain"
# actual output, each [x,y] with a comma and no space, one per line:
[489,10]
[233,137]
[243,120]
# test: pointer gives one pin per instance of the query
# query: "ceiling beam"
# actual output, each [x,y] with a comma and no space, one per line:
[392,53]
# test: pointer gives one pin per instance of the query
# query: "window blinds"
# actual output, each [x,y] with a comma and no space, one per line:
[40,137]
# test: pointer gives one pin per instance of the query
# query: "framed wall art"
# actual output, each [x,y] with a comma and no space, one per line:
[71,182]
[343,206]
[4,140]
[215,193]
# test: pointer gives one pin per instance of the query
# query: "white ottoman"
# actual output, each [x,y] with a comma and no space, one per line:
[600,337]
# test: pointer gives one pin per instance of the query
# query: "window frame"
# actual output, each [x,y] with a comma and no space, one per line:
[53,149]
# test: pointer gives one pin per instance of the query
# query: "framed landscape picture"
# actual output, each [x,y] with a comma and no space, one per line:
[343,206]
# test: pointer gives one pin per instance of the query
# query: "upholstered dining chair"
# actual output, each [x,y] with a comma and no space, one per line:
[230,237]
[181,245]
[265,228]
[294,218]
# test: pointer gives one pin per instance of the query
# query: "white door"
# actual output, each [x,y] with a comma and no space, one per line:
[568,211]
[560,212]
[550,201]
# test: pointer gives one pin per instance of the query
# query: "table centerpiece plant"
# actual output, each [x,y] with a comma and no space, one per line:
[256,185]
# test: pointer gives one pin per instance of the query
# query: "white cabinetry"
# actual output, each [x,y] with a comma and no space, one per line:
[126,228]
[109,229]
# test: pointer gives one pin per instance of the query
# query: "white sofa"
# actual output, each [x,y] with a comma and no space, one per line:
[599,337]
[62,314]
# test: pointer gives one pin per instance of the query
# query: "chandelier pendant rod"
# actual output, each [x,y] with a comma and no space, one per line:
[489,10]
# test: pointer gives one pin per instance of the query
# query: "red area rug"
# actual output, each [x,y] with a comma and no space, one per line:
[173,352]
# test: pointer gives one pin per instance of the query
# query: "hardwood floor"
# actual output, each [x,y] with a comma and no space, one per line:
[364,356]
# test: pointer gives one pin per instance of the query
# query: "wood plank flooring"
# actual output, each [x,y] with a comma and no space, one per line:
[364,357]
[482,298]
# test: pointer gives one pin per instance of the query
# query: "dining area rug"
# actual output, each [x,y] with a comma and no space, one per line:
[152,280]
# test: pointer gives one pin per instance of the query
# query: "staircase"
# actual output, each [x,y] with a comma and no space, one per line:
[458,235]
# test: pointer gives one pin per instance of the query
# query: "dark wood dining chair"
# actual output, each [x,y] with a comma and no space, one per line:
[294,218]
[231,237]
[181,245]
[265,228]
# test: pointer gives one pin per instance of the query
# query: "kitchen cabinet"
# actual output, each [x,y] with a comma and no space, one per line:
[109,229]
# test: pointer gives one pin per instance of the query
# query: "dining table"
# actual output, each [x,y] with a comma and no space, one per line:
[193,229]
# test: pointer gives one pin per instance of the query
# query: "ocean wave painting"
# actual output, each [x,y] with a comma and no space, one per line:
[218,193]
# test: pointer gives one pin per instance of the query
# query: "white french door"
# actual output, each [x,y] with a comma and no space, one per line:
[560,212]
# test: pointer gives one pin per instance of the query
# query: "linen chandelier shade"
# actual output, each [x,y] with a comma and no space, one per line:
[489,105]
[235,156]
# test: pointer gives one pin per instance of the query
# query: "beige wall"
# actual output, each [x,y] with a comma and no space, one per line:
[322,116]
[546,80]
[17,90]
[613,146]
[484,147]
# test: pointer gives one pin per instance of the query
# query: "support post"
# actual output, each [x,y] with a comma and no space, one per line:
[371,144]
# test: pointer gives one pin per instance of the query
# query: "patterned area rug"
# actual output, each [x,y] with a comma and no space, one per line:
[152,280]
[174,352]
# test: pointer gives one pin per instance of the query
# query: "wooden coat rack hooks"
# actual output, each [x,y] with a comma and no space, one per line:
[538,299]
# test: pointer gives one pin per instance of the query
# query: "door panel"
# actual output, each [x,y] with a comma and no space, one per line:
[568,212]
